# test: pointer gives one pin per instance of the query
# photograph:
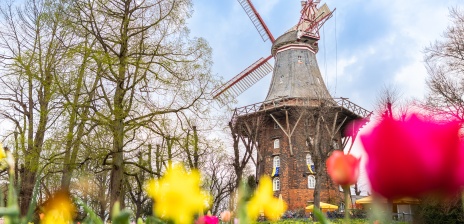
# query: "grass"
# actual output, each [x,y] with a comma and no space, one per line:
[334,221]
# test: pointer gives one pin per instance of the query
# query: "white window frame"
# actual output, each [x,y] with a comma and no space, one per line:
[309,159]
[335,144]
[276,143]
[276,184]
[276,162]
[311,182]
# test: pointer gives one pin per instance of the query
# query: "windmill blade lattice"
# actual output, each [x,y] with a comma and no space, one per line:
[256,20]
[244,80]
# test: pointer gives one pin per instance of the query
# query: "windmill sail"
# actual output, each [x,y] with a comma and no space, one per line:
[322,12]
[245,79]
[256,20]
[312,18]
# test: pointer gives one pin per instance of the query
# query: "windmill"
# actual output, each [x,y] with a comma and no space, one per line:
[307,30]
[299,123]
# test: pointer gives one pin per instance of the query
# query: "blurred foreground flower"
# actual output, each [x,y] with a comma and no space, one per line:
[225,216]
[59,209]
[263,200]
[343,169]
[3,158]
[177,195]
[2,152]
[414,157]
[207,219]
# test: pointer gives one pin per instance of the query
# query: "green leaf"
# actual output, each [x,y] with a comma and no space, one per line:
[33,204]
[10,211]
[93,217]
[123,217]
[320,217]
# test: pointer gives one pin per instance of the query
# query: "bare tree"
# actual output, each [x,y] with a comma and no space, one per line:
[445,66]
[219,180]
[322,134]
[390,104]
[244,130]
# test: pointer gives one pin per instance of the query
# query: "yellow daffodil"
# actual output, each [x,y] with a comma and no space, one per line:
[2,152]
[177,195]
[59,209]
[264,201]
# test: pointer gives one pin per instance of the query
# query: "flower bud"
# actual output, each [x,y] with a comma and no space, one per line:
[225,216]
[343,169]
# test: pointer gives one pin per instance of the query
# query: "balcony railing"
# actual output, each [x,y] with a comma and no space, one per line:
[284,102]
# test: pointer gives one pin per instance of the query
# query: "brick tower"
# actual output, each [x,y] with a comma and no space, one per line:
[298,125]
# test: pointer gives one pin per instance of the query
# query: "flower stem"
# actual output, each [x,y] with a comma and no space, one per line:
[346,192]
[462,200]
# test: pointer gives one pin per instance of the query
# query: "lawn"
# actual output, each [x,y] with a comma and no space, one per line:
[300,221]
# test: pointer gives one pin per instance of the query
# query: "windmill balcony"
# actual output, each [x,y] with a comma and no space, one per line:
[283,102]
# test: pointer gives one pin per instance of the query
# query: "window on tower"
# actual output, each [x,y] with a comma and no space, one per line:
[276,162]
[309,160]
[310,164]
[276,143]
[309,141]
[311,182]
[342,207]
[276,184]
[335,144]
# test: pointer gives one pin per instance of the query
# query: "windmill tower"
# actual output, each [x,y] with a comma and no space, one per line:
[298,125]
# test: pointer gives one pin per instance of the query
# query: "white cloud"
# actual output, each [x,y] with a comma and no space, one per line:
[412,79]
[367,44]
[378,42]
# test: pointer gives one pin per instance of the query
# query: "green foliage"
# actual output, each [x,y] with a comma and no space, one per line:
[244,196]
[92,217]
[434,210]
[11,212]
[251,183]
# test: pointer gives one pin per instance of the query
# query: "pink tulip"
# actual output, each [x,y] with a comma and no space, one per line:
[414,157]
[207,219]
[343,169]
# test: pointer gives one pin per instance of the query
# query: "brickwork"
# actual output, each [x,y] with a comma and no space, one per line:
[294,171]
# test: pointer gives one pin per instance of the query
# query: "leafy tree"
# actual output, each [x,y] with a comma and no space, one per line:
[435,210]
[146,53]
[33,42]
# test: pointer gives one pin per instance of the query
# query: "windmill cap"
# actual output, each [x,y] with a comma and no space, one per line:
[290,37]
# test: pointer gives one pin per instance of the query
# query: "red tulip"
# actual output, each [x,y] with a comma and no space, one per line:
[413,157]
[343,169]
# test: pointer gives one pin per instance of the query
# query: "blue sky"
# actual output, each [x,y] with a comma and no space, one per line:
[364,46]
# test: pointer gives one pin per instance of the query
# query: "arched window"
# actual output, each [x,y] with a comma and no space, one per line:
[276,143]
[276,161]
[311,182]
[310,140]
[335,144]
[309,160]
[341,208]
[276,184]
